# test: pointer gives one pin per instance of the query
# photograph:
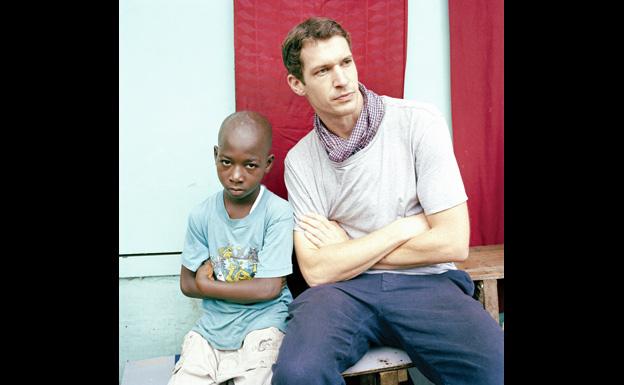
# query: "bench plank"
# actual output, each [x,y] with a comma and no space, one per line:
[379,358]
[490,295]
[151,371]
[485,262]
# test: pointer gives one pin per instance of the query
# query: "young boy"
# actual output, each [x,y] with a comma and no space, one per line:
[236,256]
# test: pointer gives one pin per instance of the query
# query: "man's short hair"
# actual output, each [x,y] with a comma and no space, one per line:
[314,28]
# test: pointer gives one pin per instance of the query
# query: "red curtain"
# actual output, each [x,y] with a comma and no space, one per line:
[378,31]
[477,99]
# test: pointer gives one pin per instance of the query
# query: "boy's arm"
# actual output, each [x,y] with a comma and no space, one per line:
[201,284]
[326,254]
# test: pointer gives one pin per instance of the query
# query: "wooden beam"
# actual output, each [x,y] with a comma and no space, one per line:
[390,377]
[490,295]
[369,379]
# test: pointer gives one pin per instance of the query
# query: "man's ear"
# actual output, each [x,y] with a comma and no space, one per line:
[269,165]
[295,84]
[216,152]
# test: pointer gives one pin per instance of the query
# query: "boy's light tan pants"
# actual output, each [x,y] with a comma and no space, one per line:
[200,364]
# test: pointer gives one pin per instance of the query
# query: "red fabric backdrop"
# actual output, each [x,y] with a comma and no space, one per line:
[477,75]
[378,31]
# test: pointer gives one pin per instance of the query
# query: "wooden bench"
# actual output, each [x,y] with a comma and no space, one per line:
[486,265]
[388,366]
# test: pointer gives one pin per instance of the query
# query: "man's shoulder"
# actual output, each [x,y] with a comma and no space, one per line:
[413,106]
[302,148]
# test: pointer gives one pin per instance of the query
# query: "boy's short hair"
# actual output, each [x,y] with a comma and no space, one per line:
[260,121]
[314,28]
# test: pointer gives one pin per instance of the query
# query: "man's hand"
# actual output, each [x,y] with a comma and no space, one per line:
[205,270]
[321,231]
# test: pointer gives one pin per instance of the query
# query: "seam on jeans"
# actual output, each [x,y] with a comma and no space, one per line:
[342,359]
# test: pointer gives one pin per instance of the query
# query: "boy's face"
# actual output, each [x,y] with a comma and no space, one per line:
[331,78]
[242,160]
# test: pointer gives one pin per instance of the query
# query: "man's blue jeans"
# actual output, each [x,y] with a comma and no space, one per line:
[447,334]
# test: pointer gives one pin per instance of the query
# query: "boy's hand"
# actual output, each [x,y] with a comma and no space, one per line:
[205,270]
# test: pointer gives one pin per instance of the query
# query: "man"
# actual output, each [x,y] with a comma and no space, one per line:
[381,216]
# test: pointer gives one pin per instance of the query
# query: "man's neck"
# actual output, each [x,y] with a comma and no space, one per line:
[342,126]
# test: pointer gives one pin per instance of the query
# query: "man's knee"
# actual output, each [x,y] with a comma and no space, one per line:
[487,368]
[306,366]
[290,371]
[494,368]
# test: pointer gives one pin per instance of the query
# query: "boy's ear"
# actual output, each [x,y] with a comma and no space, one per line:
[216,152]
[295,85]
[269,165]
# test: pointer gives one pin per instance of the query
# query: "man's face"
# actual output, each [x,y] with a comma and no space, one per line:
[331,78]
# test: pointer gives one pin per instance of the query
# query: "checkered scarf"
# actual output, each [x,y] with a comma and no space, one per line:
[365,128]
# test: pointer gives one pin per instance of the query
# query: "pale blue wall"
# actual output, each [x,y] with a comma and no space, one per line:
[176,84]
[427,73]
[153,317]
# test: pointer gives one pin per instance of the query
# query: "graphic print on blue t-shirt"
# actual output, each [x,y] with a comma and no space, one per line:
[233,263]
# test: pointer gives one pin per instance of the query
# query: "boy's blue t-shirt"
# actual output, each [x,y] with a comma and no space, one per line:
[257,246]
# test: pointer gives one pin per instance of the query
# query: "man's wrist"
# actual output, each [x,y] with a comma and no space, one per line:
[400,231]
